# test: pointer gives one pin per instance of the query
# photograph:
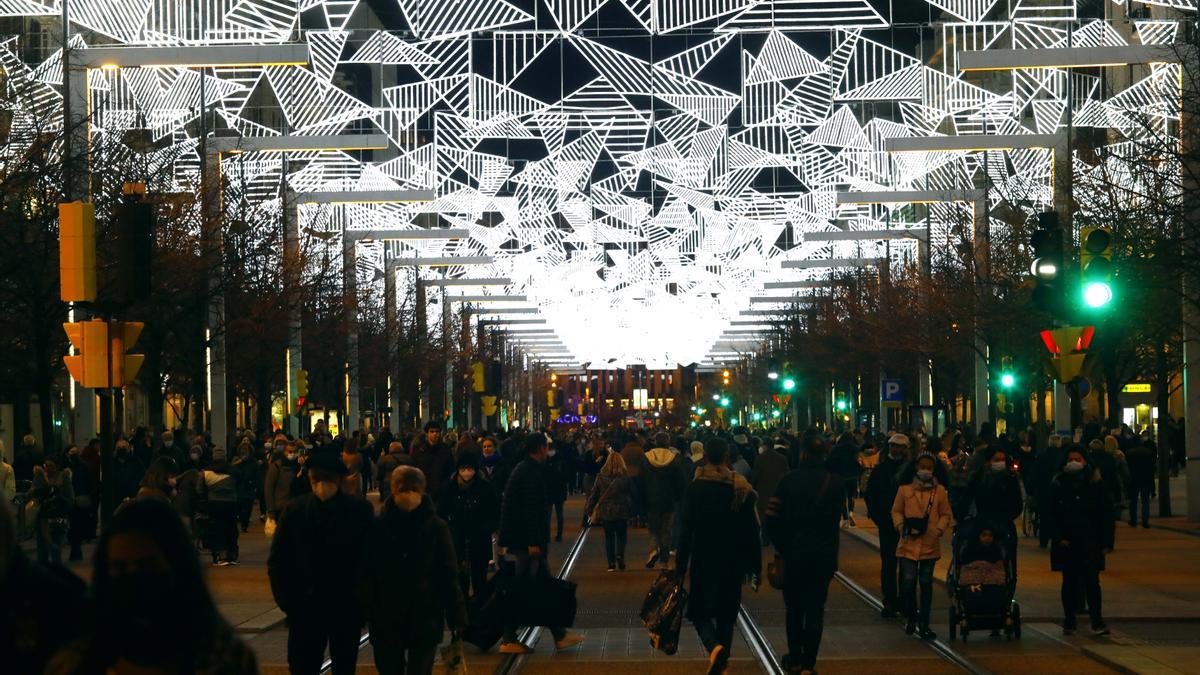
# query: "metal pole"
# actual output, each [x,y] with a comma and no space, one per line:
[392,328]
[1191,350]
[291,272]
[350,289]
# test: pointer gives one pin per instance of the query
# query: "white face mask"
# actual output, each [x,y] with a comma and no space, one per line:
[998,466]
[324,490]
[407,501]
[1073,467]
[466,474]
[925,475]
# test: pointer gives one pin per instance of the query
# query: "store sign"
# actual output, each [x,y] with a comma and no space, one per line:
[1137,388]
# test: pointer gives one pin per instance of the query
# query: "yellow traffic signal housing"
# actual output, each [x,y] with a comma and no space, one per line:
[1095,251]
[301,383]
[90,366]
[77,251]
[488,405]
[478,383]
[124,335]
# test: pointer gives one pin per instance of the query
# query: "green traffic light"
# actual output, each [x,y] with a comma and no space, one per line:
[789,384]
[1097,294]
[757,416]
[842,405]
[775,413]
[724,403]
[1007,380]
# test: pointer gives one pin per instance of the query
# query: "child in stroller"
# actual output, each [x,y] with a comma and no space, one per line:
[983,584]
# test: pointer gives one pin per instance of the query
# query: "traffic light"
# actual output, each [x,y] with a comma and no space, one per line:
[789,384]
[123,335]
[1008,378]
[77,251]
[478,385]
[1047,268]
[1095,266]
[841,403]
[725,377]
[495,378]
[134,239]
[301,383]
[90,366]
[775,414]
[724,401]
[773,369]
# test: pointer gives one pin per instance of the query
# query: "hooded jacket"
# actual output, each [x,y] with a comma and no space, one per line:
[524,511]
[914,501]
[662,481]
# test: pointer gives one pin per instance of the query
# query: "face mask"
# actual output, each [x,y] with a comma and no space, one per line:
[998,466]
[167,444]
[195,456]
[407,501]
[1073,467]
[896,454]
[466,474]
[324,490]
[925,475]
[552,453]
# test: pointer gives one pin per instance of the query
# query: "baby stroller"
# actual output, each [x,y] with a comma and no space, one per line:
[982,583]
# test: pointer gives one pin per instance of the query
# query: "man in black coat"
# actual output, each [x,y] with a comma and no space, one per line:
[127,472]
[1142,459]
[525,532]
[802,519]
[317,562]
[433,458]
[661,486]
[881,493]
[720,545]
[470,506]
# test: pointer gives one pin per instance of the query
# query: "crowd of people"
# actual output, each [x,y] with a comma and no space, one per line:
[452,505]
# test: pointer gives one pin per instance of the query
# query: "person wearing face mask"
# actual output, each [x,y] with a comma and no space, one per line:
[993,496]
[880,495]
[413,575]
[469,504]
[83,509]
[127,472]
[1080,521]
[151,611]
[921,514]
[281,472]
[170,448]
[321,542]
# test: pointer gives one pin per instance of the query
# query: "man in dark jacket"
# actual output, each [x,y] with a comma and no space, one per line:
[802,520]
[433,458]
[843,461]
[318,555]
[468,503]
[720,546]
[881,493]
[127,472]
[769,469]
[661,485]
[525,532]
[1142,459]
[394,457]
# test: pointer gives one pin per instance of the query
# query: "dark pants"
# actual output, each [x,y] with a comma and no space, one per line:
[473,558]
[888,541]
[660,534]
[83,527]
[1139,495]
[225,528]
[307,639]
[558,515]
[397,661]
[528,566]
[716,631]
[851,487]
[914,572]
[615,534]
[804,596]
[1072,578]
[245,509]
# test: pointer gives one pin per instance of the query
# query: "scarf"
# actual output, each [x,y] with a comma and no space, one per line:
[723,474]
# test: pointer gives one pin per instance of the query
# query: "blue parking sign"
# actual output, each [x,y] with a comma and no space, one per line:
[891,392]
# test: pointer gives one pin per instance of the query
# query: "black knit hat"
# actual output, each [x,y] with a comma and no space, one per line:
[326,460]
[469,459]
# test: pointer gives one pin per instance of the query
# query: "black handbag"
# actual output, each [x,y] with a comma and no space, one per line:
[916,527]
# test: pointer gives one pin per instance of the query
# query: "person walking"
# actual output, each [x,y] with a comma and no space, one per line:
[281,473]
[26,457]
[432,457]
[218,499]
[1142,458]
[1079,519]
[248,472]
[558,473]
[394,457]
[610,505]
[880,496]
[921,514]
[470,506]
[525,532]
[127,473]
[83,511]
[993,497]
[318,555]
[769,469]
[844,462]
[413,580]
[662,485]
[54,491]
[802,520]
[719,546]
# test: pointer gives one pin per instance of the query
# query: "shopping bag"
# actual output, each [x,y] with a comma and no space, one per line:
[452,657]
[667,620]
[658,592]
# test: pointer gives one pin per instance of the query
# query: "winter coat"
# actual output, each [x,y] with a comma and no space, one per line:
[186,489]
[1110,472]
[127,474]
[383,472]
[24,459]
[912,501]
[413,578]
[719,541]
[1079,511]
[436,462]
[8,482]
[611,500]
[318,555]
[249,477]
[881,493]
[55,495]
[472,510]
[353,482]
[277,487]
[806,531]
[525,511]
[556,478]
[662,481]
[768,472]
[217,486]
[843,460]
[996,499]
[635,457]
[1142,467]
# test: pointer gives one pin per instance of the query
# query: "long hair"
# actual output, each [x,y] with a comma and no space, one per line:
[615,466]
